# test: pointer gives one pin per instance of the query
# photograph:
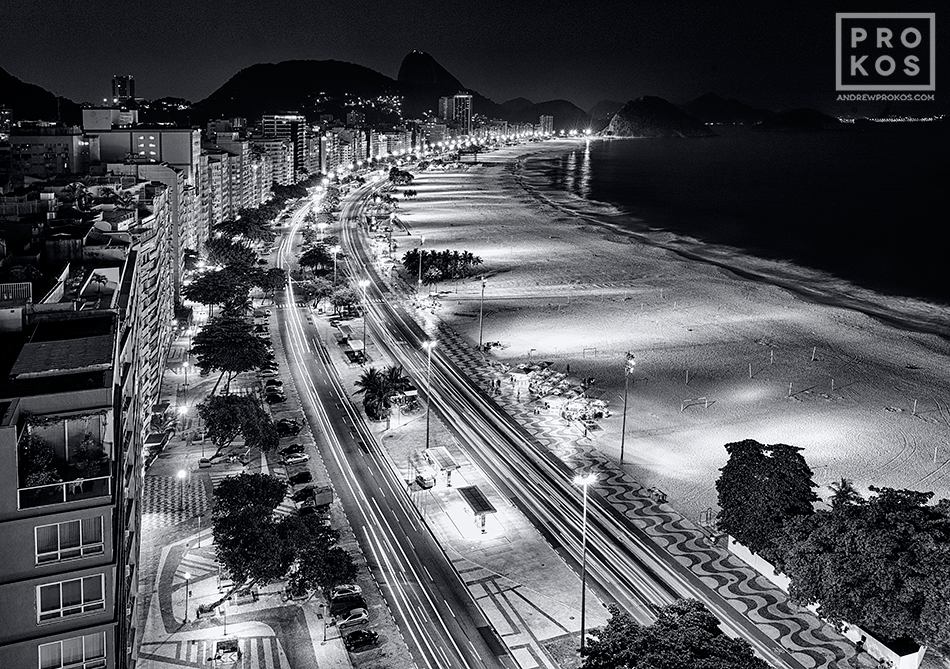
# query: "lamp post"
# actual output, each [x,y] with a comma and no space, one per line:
[335,250]
[185,366]
[181,489]
[419,280]
[187,576]
[364,284]
[481,314]
[428,346]
[627,371]
[584,481]
[322,226]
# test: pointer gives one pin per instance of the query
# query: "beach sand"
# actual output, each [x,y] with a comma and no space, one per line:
[564,289]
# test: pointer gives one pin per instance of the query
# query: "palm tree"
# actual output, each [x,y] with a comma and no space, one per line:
[372,386]
[100,280]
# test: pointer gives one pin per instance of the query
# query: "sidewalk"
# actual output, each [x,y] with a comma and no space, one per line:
[178,549]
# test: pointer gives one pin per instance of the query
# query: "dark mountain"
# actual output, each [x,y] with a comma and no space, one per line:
[651,116]
[605,109]
[308,86]
[566,114]
[33,103]
[420,69]
[711,108]
[800,119]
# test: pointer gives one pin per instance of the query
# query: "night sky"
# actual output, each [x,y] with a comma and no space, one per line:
[777,55]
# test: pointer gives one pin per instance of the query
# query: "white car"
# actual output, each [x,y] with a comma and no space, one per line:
[355,618]
[346,590]
[296,458]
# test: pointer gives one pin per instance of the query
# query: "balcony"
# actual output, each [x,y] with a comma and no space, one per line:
[47,476]
[65,491]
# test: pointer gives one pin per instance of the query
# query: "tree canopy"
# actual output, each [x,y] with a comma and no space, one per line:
[882,563]
[685,636]
[228,286]
[444,265]
[226,417]
[318,258]
[226,251]
[228,344]
[378,388]
[760,488]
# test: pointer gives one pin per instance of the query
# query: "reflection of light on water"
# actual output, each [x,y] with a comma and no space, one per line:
[584,187]
[569,172]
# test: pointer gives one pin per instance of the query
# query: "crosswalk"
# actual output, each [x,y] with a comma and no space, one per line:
[257,652]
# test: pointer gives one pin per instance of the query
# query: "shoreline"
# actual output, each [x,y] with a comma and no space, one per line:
[917,315]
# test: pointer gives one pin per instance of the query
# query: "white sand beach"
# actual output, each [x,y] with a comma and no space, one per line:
[565,289]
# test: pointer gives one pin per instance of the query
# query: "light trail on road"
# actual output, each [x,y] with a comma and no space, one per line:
[440,622]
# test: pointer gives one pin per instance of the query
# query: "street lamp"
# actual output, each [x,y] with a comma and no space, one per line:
[187,576]
[322,227]
[185,365]
[481,314]
[419,280]
[364,284]
[628,366]
[181,489]
[428,346]
[335,250]
[584,481]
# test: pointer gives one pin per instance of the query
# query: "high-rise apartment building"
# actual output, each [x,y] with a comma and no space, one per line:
[45,150]
[546,123]
[463,113]
[291,126]
[123,87]
[447,108]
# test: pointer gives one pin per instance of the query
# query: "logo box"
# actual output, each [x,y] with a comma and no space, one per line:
[885,51]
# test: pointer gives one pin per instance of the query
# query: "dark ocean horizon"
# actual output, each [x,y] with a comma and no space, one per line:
[865,205]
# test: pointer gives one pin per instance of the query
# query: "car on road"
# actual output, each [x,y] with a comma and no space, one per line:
[343,605]
[360,640]
[355,618]
[300,478]
[296,458]
[345,590]
[287,427]
[292,449]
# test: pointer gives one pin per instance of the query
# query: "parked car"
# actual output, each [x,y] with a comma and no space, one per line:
[269,373]
[425,482]
[345,590]
[300,478]
[274,383]
[292,448]
[302,494]
[360,640]
[355,618]
[287,427]
[296,458]
[274,398]
[343,605]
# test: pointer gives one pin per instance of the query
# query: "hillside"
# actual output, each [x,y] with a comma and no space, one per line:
[650,116]
[31,102]
[712,108]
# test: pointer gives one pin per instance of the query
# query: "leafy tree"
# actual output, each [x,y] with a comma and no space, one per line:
[320,567]
[226,251]
[315,290]
[344,299]
[271,280]
[227,286]
[685,636]
[449,264]
[317,258]
[760,488]
[229,345]
[882,563]
[250,225]
[226,417]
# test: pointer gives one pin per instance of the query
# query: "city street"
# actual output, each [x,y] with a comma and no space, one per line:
[439,620]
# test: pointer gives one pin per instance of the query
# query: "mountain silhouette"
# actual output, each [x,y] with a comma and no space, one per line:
[30,102]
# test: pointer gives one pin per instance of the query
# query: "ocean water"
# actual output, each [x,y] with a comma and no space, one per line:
[866,205]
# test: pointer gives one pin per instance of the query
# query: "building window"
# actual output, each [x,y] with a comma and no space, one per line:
[70,598]
[79,652]
[69,540]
